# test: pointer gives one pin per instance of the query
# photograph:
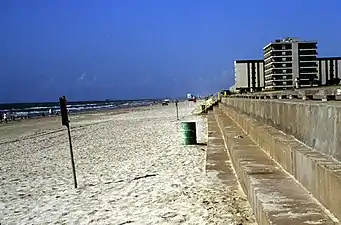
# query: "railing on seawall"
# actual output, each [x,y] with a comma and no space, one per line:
[210,102]
[318,93]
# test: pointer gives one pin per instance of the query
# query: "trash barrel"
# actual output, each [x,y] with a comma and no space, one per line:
[189,133]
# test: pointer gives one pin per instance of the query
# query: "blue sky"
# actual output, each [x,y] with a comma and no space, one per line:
[128,49]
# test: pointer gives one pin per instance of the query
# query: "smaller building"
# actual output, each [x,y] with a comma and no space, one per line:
[329,69]
[249,75]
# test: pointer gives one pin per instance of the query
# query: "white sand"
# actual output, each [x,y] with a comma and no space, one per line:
[36,184]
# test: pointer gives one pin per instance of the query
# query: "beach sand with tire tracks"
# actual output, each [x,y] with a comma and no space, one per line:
[131,169]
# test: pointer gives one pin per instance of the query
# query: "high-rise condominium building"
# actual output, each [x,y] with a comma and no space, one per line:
[290,63]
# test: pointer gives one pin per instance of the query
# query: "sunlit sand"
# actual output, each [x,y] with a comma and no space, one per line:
[131,169]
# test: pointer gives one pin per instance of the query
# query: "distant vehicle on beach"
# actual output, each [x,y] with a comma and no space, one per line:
[191,98]
[165,102]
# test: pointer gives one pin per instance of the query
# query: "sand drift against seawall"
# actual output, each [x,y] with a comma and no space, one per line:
[131,169]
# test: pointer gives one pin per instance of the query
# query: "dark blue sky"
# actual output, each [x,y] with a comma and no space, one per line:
[125,49]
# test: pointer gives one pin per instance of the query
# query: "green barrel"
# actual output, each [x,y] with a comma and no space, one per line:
[189,133]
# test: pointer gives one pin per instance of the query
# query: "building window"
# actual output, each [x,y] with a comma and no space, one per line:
[283,47]
[284,71]
[284,77]
[284,59]
[283,53]
[284,65]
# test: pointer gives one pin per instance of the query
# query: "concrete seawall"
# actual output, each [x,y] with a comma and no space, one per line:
[317,124]
[286,182]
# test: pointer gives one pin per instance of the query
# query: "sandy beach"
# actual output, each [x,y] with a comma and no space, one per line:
[131,169]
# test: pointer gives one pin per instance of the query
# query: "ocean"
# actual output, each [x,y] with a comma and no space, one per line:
[42,109]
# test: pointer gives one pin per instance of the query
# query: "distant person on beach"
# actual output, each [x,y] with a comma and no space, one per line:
[5,117]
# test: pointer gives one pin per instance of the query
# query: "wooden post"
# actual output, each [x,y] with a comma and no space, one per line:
[177,109]
[65,122]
